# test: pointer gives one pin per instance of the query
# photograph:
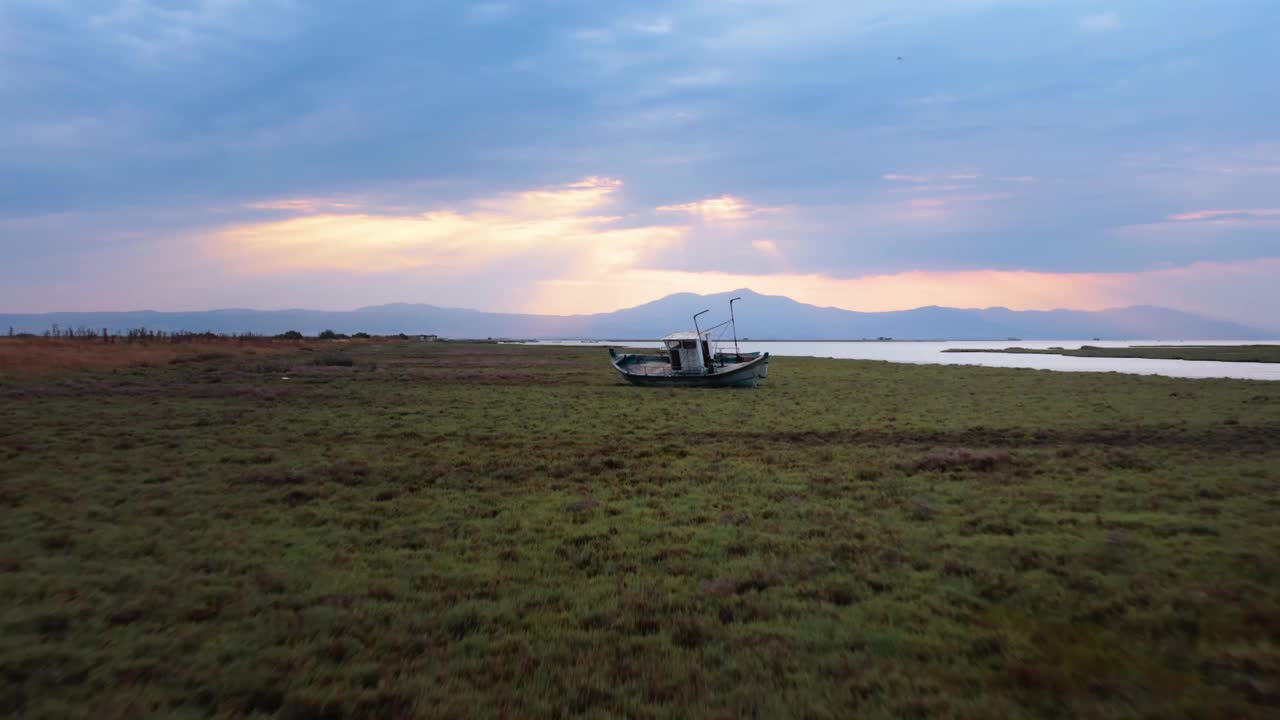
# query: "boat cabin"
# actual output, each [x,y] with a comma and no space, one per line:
[690,352]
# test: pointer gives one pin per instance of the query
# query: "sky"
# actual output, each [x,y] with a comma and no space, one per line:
[566,157]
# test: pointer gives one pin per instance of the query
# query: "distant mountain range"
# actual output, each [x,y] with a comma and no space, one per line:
[760,317]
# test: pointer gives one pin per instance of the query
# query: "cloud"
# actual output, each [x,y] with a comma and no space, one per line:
[1247,171]
[568,200]
[1100,22]
[928,202]
[661,26]
[718,209]
[1218,215]
[561,221]
[305,205]
[928,188]
[1253,229]
[768,248]
[947,181]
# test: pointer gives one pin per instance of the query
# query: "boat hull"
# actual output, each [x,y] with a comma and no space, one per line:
[745,374]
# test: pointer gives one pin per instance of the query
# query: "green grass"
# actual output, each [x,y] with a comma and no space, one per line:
[454,530]
[1223,353]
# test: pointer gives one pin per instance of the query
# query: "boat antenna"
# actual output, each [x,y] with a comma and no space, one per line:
[734,323]
[695,323]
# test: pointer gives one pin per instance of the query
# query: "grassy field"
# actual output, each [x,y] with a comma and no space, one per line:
[1223,353]
[451,530]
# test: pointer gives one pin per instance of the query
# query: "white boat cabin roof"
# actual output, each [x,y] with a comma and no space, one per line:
[685,335]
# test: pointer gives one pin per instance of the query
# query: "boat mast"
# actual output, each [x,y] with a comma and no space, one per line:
[734,324]
[697,337]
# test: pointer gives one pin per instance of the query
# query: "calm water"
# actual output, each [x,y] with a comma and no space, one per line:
[932,353]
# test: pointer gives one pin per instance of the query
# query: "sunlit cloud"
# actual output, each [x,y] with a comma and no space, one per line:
[725,207]
[767,248]
[898,177]
[539,223]
[572,199]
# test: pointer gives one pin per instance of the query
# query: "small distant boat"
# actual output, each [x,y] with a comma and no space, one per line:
[689,361]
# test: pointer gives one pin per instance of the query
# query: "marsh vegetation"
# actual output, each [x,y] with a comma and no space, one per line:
[457,530]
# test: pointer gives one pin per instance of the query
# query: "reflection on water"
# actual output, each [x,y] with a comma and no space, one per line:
[932,353]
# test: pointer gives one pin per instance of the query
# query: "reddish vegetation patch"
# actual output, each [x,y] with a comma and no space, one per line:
[40,356]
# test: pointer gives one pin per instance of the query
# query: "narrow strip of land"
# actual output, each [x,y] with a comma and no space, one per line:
[1220,353]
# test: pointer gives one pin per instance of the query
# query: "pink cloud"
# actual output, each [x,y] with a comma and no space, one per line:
[896,177]
[1199,215]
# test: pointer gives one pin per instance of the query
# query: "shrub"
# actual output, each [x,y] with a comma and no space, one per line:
[289,335]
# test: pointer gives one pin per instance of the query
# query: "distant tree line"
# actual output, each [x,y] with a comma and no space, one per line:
[144,335]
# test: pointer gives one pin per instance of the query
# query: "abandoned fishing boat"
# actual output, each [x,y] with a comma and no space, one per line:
[690,361]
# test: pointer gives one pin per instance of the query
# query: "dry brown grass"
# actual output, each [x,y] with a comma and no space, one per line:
[40,356]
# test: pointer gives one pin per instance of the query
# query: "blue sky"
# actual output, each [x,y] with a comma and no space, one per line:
[580,156]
